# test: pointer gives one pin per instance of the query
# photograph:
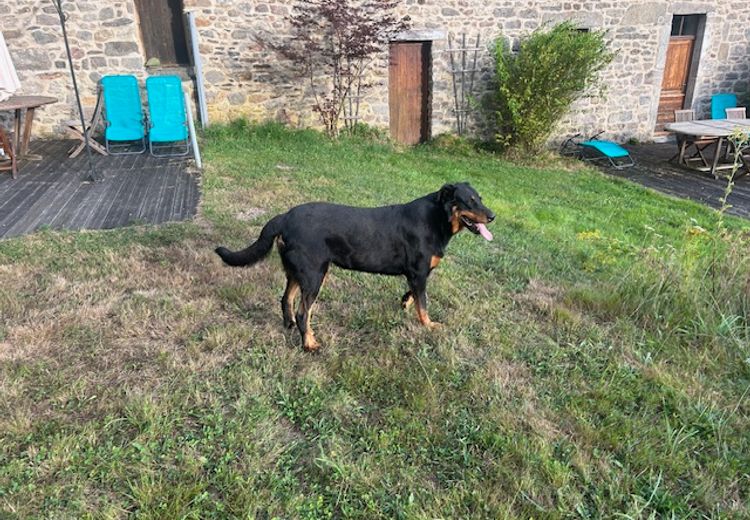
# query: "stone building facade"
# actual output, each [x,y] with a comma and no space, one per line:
[244,77]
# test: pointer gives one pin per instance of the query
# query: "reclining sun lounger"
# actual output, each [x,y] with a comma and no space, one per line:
[168,118]
[123,115]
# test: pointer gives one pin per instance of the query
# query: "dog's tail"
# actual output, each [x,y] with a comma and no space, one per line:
[256,251]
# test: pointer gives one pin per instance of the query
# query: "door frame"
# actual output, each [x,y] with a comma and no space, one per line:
[430,37]
[425,114]
[695,61]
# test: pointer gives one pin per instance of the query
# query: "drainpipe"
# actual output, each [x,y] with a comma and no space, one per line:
[197,68]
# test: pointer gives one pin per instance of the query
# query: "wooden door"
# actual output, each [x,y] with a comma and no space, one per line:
[409,91]
[163,30]
[674,84]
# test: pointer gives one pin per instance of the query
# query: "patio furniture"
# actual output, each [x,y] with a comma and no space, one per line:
[73,127]
[708,129]
[719,104]
[594,149]
[22,129]
[8,159]
[167,116]
[123,115]
[736,113]
[684,142]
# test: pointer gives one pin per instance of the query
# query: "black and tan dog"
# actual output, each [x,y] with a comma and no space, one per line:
[405,239]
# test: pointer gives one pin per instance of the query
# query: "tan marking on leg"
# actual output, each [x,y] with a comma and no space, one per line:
[292,289]
[424,318]
[408,302]
[309,343]
[434,261]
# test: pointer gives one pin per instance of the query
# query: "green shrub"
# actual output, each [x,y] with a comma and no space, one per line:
[536,85]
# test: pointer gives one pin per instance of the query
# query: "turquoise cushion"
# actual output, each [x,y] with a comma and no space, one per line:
[124,133]
[720,103]
[166,105]
[122,108]
[607,148]
[161,134]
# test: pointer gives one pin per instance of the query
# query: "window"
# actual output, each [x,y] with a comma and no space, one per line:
[685,24]
[163,31]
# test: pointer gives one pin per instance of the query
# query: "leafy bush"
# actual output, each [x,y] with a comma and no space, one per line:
[536,85]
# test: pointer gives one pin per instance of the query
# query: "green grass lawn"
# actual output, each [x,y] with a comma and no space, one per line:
[593,363]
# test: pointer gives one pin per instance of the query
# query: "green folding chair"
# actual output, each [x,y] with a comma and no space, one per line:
[123,115]
[167,117]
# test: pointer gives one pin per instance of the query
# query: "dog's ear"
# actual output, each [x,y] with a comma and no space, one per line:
[446,196]
[446,193]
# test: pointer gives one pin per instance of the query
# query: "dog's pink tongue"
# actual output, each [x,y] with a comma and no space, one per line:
[484,231]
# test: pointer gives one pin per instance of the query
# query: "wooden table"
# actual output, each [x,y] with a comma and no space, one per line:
[17,104]
[716,130]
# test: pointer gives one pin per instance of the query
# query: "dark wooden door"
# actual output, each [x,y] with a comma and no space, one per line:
[163,30]
[674,84]
[409,91]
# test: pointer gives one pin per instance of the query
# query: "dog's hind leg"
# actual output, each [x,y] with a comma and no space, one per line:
[407,300]
[287,301]
[309,286]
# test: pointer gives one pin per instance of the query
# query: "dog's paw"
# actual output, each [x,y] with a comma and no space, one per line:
[311,347]
[433,325]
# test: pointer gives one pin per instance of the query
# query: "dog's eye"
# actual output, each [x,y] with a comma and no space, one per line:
[473,199]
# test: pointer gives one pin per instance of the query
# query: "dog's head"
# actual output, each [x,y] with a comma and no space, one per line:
[464,208]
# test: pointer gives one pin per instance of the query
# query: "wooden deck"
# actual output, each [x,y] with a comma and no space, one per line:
[54,192]
[654,170]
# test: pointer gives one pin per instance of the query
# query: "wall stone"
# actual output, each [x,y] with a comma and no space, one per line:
[245,78]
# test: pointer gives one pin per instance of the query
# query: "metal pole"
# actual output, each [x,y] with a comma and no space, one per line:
[92,177]
[198,65]
[191,129]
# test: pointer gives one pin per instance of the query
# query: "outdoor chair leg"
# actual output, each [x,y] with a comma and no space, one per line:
[110,152]
[153,149]
[681,152]
[700,154]
[716,158]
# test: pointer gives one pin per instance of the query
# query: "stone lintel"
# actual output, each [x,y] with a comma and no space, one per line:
[419,35]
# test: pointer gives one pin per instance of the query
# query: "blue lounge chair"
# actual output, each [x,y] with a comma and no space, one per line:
[169,125]
[599,150]
[123,115]
[720,103]
[593,149]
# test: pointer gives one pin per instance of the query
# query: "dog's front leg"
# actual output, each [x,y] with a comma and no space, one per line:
[418,286]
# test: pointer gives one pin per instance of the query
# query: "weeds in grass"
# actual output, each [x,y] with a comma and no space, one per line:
[697,292]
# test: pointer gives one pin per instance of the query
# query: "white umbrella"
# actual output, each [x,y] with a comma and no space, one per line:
[8,78]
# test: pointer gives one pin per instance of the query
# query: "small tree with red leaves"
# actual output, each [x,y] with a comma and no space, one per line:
[333,42]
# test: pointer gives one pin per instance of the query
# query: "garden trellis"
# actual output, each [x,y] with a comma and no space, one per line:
[463,87]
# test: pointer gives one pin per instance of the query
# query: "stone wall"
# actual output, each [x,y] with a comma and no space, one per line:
[244,77]
[103,37]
